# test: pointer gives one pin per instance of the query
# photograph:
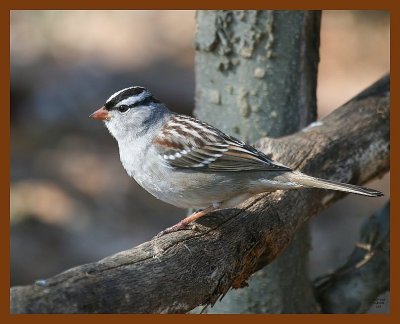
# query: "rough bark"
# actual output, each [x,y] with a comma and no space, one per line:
[254,67]
[353,287]
[182,270]
[256,75]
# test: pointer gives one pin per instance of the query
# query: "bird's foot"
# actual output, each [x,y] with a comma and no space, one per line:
[185,224]
[175,228]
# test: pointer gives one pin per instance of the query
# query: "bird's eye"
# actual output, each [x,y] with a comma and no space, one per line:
[123,108]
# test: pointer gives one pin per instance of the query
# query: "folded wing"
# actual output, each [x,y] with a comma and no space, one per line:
[188,143]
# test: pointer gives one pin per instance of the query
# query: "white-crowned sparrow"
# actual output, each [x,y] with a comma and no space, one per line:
[190,164]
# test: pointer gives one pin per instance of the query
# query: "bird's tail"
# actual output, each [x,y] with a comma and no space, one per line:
[311,182]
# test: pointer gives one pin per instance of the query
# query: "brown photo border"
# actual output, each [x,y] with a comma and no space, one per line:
[6,6]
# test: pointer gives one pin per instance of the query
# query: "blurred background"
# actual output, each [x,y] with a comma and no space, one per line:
[71,200]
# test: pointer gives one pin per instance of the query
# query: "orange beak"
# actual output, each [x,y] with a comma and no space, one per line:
[101,114]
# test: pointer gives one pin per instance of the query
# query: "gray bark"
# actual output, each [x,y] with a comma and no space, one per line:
[256,75]
[354,286]
[182,270]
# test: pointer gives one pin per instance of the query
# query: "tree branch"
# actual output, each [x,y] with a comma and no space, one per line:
[354,286]
[177,272]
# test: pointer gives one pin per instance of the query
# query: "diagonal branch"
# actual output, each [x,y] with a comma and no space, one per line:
[177,272]
[354,286]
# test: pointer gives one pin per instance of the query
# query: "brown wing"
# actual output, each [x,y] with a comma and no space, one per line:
[188,143]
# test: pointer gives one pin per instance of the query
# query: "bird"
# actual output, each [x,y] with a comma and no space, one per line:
[191,164]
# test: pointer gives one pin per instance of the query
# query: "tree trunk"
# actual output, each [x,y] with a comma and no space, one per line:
[256,75]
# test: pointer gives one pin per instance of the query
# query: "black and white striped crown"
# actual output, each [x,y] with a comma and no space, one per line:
[129,98]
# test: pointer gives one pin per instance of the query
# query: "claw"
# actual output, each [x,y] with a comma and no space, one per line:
[175,228]
[184,223]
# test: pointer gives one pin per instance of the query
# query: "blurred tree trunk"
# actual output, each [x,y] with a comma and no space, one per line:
[256,75]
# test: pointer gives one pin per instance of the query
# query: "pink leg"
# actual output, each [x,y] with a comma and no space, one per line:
[183,224]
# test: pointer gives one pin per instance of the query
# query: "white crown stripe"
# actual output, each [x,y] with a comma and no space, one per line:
[132,100]
[117,93]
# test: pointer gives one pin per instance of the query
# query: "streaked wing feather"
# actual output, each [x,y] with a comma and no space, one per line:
[192,144]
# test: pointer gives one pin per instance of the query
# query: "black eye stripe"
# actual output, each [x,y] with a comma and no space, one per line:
[144,102]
